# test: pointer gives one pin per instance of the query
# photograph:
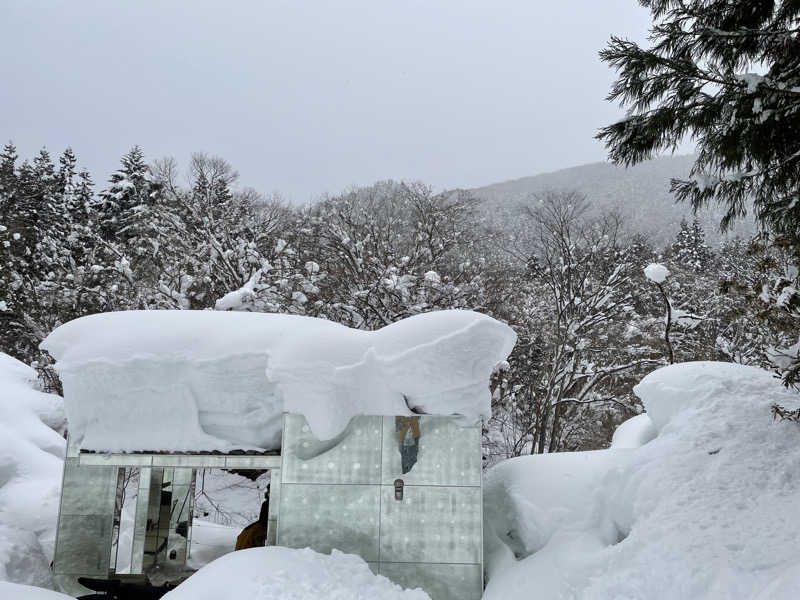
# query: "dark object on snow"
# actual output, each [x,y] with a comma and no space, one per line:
[408,428]
[114,589]
[255,534]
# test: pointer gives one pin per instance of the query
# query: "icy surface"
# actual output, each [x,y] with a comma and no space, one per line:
[656,272]
[703,510]
[15,591]
[31,453]
[206,380]
[634,432]
[276,573]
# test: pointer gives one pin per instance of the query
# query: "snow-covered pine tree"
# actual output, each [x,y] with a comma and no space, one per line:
[121,208]
[689,248]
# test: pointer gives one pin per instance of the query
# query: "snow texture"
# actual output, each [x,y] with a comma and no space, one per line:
[209,380]
[15,591]
[634,433]
[703,510]
[677,388]
[528,499]
[31,462]
[656,272]
[275,573]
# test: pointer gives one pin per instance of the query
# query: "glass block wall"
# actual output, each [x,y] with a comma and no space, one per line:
[342,494]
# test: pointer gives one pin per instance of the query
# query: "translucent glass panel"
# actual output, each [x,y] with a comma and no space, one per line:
[442,581]
[352,457]
[169,520]
[83,539]
[88,490]
[324,517]
[448,454]
[274,503]
[140,520]
[340,494]
[431,524]
[180,517]
[194,461]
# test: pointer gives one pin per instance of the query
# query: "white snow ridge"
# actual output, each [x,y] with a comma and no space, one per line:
[703,510]
[206,380]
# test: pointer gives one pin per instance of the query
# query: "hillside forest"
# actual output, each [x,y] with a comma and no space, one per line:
[566,274]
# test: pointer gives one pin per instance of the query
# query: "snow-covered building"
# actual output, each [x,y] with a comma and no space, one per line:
[372,438]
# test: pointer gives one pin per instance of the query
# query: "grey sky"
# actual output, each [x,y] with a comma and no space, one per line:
[309,97]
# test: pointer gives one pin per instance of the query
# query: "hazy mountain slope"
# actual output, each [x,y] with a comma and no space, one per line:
[640,193]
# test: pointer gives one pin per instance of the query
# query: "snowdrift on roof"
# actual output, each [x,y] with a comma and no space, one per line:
[208,380]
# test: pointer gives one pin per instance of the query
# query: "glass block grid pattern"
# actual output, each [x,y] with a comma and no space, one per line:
[341,494]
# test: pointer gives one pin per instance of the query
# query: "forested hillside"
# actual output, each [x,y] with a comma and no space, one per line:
[564,272]
[640,194]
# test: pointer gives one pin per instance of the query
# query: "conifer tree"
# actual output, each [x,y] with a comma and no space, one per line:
[727,74]
[689,248]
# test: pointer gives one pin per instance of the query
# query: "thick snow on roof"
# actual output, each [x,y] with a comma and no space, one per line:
[208,380]
[702,510]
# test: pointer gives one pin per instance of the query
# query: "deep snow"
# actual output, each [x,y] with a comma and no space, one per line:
[275,573]
[703,510]
[206,380]
[31,453]
[694,500]
[15,591]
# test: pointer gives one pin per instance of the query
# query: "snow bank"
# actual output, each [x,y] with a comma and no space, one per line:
[704,510]
[206,380]
[674,389]
[31,463]
[529,498]
[15,591]
[276,573]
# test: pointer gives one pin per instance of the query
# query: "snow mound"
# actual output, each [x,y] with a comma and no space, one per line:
[31,462]
[671,390]
[634,433]
[703,510]
[15,591]
[275,573]
[206,380]
[529,498]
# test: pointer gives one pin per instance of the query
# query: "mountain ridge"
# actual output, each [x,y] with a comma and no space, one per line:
[640,194]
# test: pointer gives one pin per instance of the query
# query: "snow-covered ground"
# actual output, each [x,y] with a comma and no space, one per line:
[229,376]
[703,510]
[694,500]
[16,591]
[275,573]
[31,459]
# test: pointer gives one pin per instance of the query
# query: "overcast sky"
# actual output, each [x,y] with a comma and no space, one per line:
[308,97]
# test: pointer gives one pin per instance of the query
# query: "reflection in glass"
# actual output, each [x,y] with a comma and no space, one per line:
[408,435]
